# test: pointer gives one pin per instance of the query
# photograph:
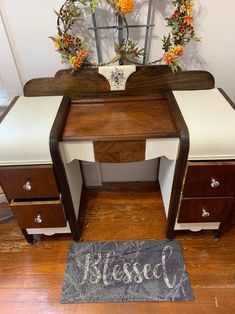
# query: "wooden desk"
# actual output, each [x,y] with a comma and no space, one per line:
[119,126]
[140,123]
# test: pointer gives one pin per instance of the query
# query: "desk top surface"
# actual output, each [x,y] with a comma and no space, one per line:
[25,131]
[117,119]
[210,119]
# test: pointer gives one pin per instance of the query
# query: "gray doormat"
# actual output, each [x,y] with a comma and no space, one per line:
[125,272]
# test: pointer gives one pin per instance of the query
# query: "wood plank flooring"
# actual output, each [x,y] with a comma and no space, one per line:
[31,276]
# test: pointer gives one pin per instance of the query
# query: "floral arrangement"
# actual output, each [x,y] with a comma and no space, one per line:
[182,32]
[74,49]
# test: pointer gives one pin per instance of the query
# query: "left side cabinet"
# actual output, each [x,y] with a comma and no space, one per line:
[33,196]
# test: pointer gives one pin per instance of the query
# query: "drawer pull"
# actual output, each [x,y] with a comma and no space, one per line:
[214,183]
[27,186]
[205,213]
[38,219]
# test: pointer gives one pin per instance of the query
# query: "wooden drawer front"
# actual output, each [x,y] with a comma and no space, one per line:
[210,180]
[44,214]
[119,151]
[28,182]
[204,209]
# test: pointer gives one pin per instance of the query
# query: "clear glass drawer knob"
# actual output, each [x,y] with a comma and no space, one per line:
[38,219]
[27,186]
[214,183]
[205,213]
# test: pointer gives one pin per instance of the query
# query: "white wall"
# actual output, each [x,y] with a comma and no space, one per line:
[29,23]
[217,47]
[10,83]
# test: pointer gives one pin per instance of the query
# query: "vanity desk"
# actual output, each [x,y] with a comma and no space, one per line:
[149,119]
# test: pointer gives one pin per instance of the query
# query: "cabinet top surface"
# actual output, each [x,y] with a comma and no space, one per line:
[210,119]
[25,131]
[132,118]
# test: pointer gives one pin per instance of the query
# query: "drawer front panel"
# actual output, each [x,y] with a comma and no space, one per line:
[44,214]
[210,180]
[204,209]
[119,151]
[28,182]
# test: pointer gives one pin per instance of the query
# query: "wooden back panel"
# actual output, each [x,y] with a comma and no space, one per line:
[147,80]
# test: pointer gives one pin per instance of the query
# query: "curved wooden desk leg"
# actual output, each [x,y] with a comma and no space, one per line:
[217,232]
[180,169]
[181,164]
[58,165]
[28,237]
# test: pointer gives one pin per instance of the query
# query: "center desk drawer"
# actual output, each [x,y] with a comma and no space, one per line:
[210,179]
[119,151]
[211,209]
[21,182]
[39,214]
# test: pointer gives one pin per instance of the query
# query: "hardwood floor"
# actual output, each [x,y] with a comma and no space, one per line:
[31,276]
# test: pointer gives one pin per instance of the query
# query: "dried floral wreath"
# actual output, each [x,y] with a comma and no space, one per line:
[74,49]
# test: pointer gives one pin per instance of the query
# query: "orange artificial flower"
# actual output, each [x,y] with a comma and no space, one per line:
[83,53]
[177,50]
[66,40]
[125,6]
[188,19]
[169,58]
[77,61]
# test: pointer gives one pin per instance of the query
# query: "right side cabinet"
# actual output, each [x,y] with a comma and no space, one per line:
[208,192]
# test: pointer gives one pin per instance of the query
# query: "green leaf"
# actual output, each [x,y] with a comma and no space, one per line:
[93,4]
[167,42]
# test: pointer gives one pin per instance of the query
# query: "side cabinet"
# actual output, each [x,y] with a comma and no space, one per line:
[207,196]
[208,192]
[33,196]
[33,126]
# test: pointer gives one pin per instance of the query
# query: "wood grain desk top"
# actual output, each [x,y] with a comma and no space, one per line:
[128,118]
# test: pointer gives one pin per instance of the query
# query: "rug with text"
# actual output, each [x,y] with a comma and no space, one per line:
[125,271]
